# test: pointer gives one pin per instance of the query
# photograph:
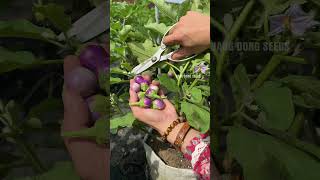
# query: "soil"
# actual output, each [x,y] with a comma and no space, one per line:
[169,154]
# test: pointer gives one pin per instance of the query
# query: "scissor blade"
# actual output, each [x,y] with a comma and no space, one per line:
[90,25]
[142,67]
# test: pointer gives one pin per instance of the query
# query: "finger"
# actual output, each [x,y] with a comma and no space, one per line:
[172,39]
[147,77]
[181,53]
[76,113]
[70,63]
[133,96]
[173,29]
[154,82]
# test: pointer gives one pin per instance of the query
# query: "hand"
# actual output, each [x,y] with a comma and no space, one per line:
[90,159]
[158,119]
[192,32]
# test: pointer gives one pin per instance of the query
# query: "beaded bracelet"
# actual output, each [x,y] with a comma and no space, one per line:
[169,129]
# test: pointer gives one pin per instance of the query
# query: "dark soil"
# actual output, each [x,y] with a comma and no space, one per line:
[169,154]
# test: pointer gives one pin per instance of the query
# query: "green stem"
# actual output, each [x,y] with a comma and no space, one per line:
[173,66]
[271,67]
[219,26]
[182,73]
[193,83]
[231,36]
[266,26]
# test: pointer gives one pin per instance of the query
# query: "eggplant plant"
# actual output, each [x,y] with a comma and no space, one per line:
[134,37]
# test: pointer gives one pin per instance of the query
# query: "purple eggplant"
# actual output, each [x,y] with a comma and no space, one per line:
[170,74]
[158,104]
[81,80]
[144,102]
[151,93]
[139,79]
[135,87]
[95,58]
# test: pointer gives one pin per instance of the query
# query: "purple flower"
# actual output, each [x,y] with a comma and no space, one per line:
[294,19]
[201,68]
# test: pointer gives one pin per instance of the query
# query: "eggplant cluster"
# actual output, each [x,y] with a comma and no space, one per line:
[84,79]
[148,94]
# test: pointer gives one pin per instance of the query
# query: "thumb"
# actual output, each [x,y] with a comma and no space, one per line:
[182,53]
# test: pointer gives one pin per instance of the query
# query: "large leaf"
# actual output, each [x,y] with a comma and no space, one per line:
[24,29]
[276,102]
[263,157]
[166,9]
[122,121]
[143,51]
[197,117]
[168,83]
[10,61]
[55,14]
[159,28]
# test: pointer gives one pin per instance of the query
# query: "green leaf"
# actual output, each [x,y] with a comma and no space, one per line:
[240,84]
[143,51]
[122,121]
[55,14]
[45,106]
[166,9]
[123,34]
[158,28]
[10,61]
[61,170]
[34,123]
[196,95]
[276,102]
[99,132]
[116,70]
[99,104]
[117,80]
[303,84]
[13,112]
[168,83]
[260,154]
[197,117]
[25,29]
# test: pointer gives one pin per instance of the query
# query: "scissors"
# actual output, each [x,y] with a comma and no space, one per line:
[158,57]
[82,29]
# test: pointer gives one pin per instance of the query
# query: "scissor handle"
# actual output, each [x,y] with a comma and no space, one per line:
[163,46]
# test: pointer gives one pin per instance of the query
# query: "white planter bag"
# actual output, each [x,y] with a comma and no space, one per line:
[160,171]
